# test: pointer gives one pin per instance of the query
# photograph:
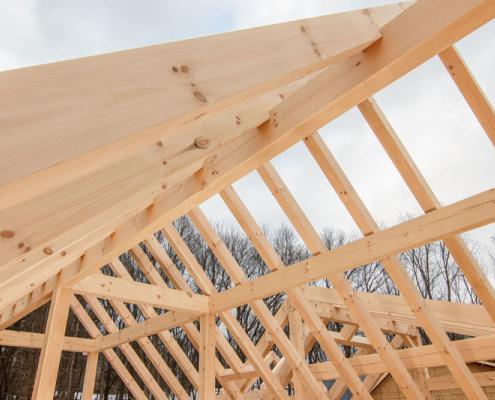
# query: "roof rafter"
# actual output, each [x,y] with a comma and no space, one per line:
[458,217]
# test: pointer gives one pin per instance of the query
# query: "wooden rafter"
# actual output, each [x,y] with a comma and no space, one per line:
[470,89]
[426,199]
[190,329]
[342,286]
[458,217]
[109,354]
[394,268]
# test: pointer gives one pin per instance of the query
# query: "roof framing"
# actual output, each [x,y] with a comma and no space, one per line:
[99,154]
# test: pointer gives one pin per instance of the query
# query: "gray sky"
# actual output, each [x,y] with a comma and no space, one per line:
[425,107]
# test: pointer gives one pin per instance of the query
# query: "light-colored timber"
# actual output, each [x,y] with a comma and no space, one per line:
[99,156]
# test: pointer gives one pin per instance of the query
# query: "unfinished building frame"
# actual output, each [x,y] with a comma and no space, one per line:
[99,154]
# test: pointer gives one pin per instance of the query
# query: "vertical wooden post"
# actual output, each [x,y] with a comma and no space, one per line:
[90,375]
[207,357]
[296,332]
[46,374]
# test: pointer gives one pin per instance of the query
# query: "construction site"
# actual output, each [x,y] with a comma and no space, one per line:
[115,283]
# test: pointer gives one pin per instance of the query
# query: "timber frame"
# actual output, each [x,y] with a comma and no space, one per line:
[100,154]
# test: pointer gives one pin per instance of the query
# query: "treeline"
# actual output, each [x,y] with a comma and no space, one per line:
[431,266]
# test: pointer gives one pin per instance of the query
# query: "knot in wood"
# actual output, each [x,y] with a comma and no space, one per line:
[7,234]
[201,142]
[200,96]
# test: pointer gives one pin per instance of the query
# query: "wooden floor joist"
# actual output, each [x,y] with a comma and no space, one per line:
[100,156]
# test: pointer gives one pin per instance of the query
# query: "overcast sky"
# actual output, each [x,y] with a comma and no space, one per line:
[425,107]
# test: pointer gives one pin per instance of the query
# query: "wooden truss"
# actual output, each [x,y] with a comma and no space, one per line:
[99,154]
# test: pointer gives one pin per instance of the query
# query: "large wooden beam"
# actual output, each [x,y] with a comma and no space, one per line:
[434,36]
[144,149]
[336,90]
[90,102]
[32,340]
[127,234]
[461,216]
[107,287]
[171,319]
[51,351]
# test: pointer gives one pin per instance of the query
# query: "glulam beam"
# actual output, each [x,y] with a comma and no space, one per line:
[432,37]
